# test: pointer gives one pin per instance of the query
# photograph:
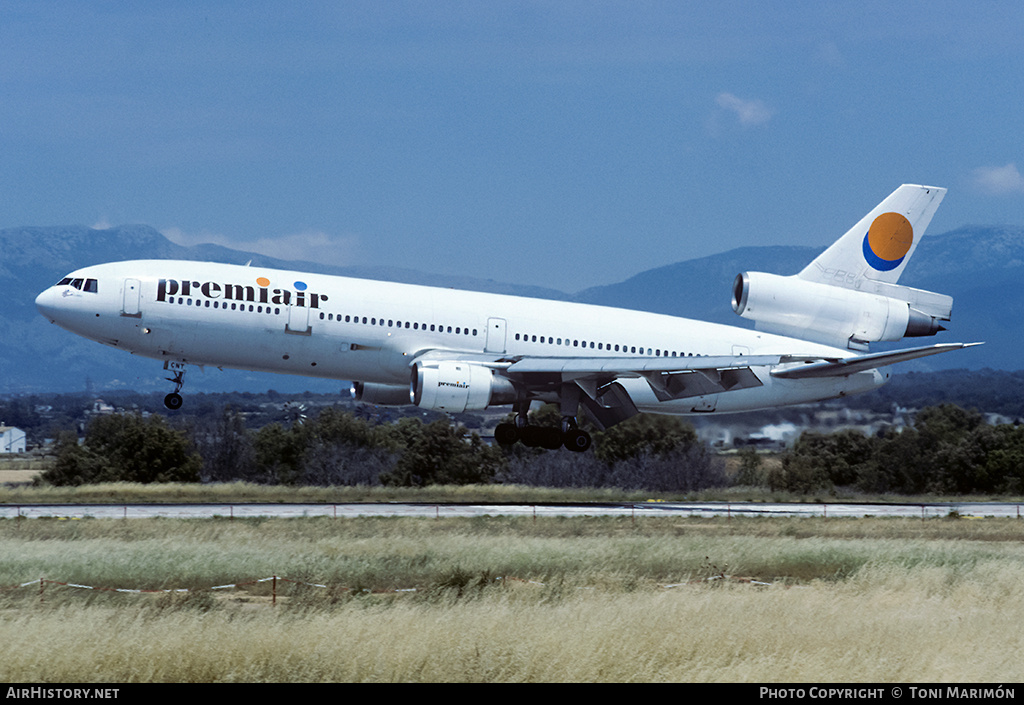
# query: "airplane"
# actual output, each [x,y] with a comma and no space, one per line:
[454,351]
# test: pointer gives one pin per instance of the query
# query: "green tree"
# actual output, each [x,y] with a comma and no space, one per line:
[837,457]
[801,473]
[1004,458]
[279,452]
[750,472]
[438,453]
[653,434]
[227,448]
[125,448]
[947,448]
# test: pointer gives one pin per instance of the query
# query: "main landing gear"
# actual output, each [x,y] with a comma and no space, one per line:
[173,401]
[569,435]
[573,438]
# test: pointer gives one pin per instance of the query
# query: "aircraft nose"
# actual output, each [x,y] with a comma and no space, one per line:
[46,304]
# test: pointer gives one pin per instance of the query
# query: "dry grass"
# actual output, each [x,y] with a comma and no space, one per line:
[868,600]
[17,491]
[238,492]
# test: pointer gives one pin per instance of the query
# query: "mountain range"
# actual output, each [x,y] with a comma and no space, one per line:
[980,266]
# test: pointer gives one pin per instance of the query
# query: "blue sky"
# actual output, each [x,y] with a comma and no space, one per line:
[566,144]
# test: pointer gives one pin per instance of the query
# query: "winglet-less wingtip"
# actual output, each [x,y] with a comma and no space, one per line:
[860,363]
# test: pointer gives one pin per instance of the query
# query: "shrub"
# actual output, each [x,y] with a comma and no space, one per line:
[125,448]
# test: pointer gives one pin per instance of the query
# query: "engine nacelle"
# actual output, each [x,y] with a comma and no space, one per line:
[830,314]
[457,386]
[381,394]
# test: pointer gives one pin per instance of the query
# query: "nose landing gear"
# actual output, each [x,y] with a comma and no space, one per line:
[173,401]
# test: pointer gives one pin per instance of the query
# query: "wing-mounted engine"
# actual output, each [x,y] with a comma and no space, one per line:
[876,311]
[456,386]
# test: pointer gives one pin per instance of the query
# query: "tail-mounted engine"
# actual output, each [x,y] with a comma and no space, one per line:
[835,315]
[458,386]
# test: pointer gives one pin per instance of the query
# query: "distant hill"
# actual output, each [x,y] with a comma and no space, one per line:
[698,288]
[980,266]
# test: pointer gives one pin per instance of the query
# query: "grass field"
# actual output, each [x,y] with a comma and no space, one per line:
[514,599]
[23,493]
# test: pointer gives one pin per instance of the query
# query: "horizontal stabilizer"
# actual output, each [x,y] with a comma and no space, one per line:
[841,367]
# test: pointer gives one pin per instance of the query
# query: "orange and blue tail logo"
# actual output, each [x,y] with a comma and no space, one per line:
[887,242]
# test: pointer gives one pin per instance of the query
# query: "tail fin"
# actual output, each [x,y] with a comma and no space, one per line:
[880,245]
[848,296]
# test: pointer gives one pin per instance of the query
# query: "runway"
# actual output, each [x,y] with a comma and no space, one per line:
[637,509]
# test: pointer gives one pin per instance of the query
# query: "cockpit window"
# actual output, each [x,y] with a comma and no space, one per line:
[88,285]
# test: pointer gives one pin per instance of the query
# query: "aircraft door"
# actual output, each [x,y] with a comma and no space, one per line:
[495,335]
[298,321]
[130,305]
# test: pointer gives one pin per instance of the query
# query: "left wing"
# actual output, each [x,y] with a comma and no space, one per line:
[840,367]
[594,381]
[670,378]
[607,402]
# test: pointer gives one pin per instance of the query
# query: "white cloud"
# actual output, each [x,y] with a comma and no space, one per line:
[309,245]
[829,54]
[180,237]
[748,112]
[998,180]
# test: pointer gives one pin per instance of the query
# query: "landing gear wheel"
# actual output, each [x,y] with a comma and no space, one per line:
[530,436]
[576,440]
[550,438]
[173,401]
[506,434]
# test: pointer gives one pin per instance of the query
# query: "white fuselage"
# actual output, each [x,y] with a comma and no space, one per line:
[353,329]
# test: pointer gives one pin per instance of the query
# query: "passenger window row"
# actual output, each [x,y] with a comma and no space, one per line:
[391,323]
[188,301]
[576,343]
